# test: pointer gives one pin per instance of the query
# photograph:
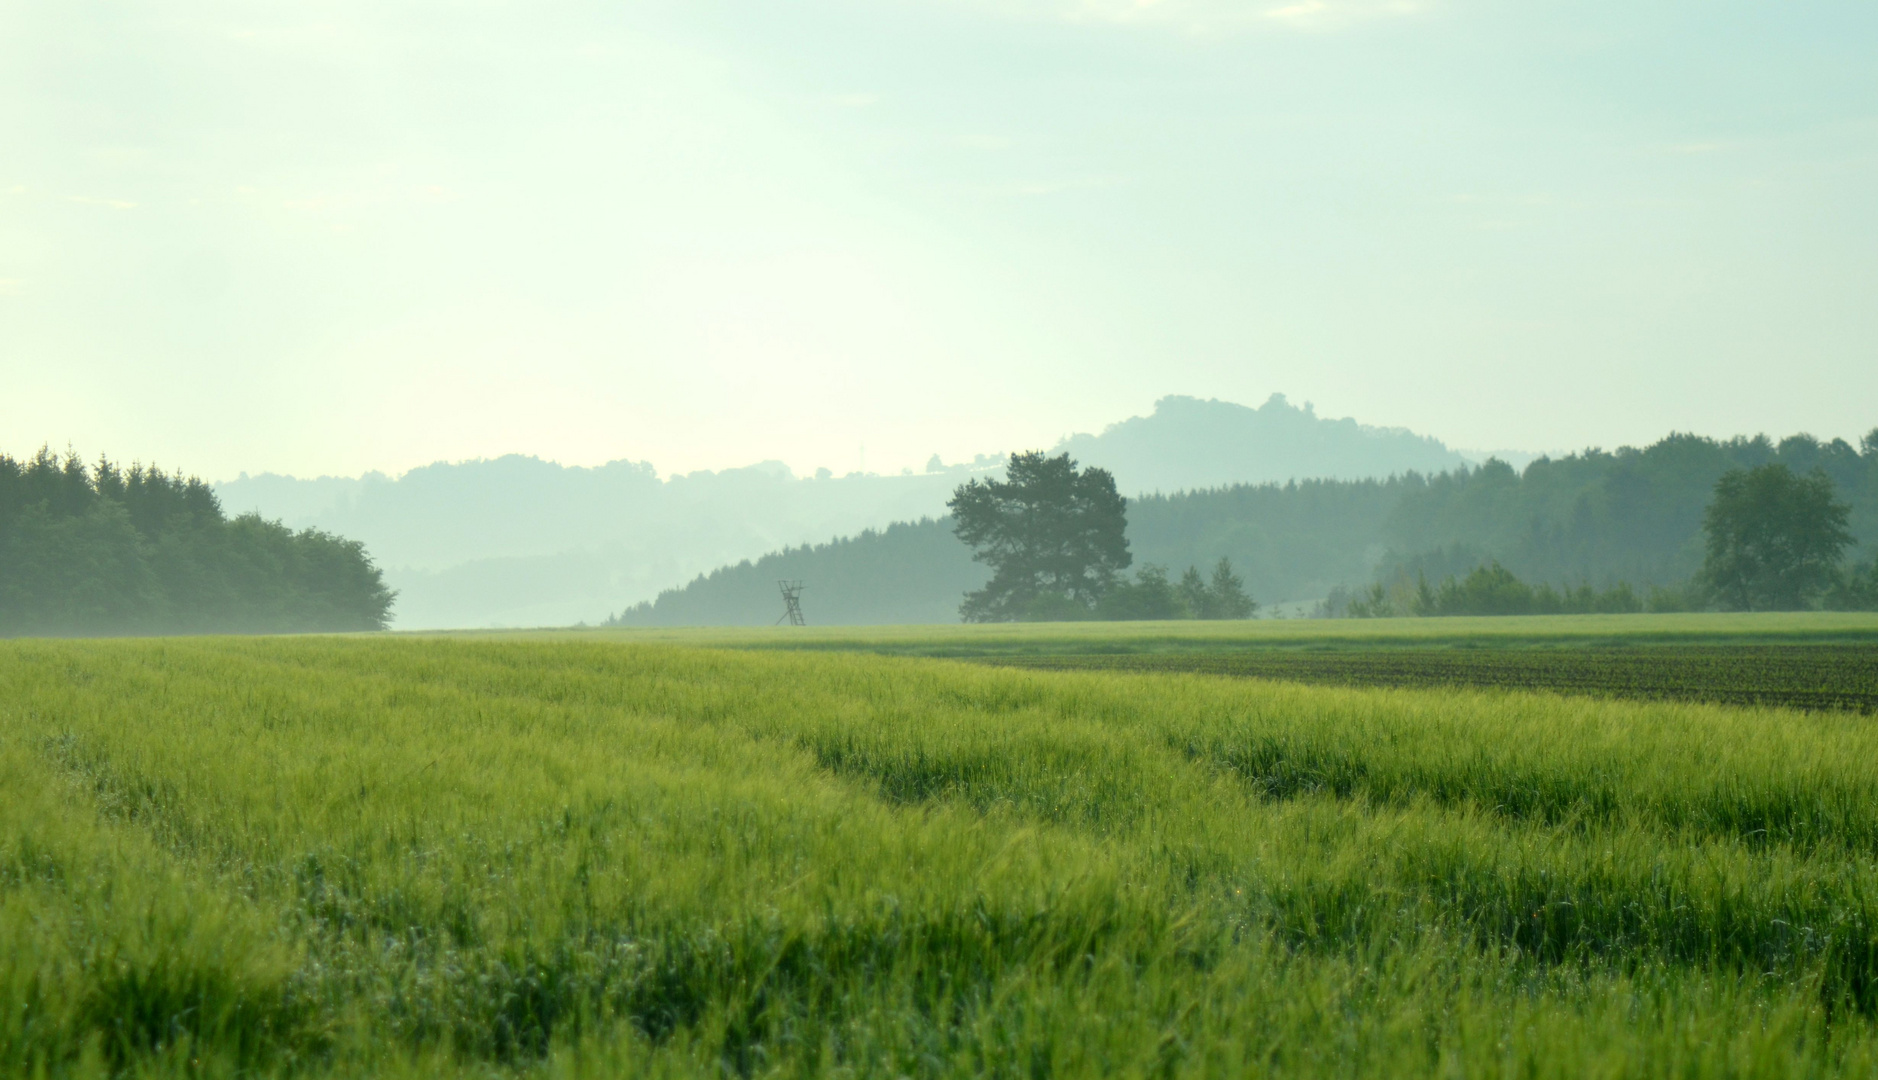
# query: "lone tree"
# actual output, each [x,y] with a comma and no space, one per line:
[1774,538]
[1226,598]
[1052,534]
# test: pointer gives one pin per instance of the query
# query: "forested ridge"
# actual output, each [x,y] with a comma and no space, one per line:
[909,572]
[1597,518]
[1287,541]
[1626,516]
[108,549]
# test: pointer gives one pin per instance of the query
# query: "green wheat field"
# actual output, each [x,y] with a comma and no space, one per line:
[874,853]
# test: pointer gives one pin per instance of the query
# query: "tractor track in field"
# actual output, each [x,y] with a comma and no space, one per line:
[1837,677]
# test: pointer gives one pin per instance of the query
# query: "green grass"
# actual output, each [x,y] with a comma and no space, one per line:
[599,855]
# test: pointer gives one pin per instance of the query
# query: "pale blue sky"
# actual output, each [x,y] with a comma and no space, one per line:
[331,237]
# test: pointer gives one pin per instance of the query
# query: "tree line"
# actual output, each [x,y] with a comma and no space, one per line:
[1054,536]
[1603,517]
[109,549]
[1774,540]
[1488,589]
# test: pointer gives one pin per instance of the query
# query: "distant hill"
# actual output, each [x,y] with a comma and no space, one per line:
[1589,518]
[518,541]
[1188,444]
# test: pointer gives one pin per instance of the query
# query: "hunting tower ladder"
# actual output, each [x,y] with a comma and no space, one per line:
[792,602]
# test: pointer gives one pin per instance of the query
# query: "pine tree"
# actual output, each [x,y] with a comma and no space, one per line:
[1226,596]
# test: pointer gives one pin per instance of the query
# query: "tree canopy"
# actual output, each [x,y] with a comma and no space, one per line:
[1053,535]
[1774,538]
[111,550]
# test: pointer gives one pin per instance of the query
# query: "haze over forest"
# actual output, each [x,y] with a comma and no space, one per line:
[517,541]
[1303,505]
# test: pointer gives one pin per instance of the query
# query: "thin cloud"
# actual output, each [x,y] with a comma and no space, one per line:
[1310,9]
[984,142]
[1327,14]
[1211,15]
[114,204]
[1045,188]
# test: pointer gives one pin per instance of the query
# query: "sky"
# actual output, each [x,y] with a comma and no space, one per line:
[331,237]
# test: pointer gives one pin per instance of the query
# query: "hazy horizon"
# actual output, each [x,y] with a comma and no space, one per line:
[344,237]
[517,540]
[1071,443]
[1518,457]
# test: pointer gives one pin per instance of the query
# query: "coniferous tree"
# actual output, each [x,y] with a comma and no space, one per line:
[1195,600]
[1856,589]
[1226,597]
